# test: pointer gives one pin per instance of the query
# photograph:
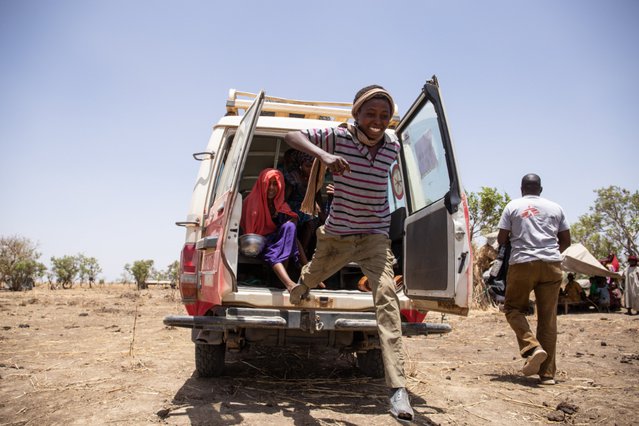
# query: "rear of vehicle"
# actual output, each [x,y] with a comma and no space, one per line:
[233,300]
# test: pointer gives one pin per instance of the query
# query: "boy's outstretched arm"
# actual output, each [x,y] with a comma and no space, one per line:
[334,163]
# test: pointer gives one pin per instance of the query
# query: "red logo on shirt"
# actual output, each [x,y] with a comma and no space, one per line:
[529,212]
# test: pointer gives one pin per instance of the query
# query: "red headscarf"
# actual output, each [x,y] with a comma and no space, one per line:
[256,217]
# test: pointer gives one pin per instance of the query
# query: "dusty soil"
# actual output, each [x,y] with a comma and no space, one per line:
[103,356]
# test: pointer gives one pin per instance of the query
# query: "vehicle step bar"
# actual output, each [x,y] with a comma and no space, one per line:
[341,324]
[187,321]
[408,328]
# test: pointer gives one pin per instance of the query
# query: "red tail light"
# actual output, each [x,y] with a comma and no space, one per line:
[188,278]
[188,259]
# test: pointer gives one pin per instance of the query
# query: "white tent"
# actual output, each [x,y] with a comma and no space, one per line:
[577,258]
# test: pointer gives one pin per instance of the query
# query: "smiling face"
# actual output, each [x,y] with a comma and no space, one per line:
[273,188]
[374,117]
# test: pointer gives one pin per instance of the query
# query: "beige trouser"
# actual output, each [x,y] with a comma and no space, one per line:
[544,278]
[373,254]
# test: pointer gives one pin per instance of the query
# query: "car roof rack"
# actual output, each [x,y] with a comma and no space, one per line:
[283,107]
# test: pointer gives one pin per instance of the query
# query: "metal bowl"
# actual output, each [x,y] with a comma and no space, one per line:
[252,244]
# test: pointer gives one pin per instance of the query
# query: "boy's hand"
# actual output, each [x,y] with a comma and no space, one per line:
[336,164]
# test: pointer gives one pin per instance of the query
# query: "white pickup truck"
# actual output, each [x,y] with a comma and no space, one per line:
[233,300]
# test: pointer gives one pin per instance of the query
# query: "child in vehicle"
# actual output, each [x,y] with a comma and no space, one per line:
[265,212]
[296,183]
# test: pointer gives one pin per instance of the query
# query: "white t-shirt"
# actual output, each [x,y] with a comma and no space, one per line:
[534,223]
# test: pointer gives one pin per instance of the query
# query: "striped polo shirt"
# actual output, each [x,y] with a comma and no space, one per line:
[360,202]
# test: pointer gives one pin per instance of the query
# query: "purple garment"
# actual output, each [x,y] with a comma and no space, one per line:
[280,245]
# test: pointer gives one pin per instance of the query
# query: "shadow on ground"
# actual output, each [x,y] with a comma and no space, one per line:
[519,379]
[312,387]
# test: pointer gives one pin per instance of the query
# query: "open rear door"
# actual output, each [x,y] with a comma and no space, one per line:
[437,261]
[217,274]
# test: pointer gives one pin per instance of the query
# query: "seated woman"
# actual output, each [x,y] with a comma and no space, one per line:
[573,293]
[265,212]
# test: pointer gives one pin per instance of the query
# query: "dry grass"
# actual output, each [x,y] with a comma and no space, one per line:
[106,367]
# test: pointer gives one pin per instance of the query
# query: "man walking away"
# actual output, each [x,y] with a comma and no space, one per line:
[538,233]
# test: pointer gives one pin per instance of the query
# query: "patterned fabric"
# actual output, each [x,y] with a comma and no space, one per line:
[360,203]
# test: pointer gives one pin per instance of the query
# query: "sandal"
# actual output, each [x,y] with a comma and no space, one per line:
[298,293]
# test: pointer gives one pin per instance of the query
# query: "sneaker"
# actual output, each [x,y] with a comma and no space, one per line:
[533,362]
[400,405]
[547,381]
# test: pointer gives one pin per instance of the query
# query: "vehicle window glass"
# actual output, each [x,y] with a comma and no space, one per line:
[228,167]
[425,157]
[220,171]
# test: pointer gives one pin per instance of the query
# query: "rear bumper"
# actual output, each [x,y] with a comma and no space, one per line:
[306,320]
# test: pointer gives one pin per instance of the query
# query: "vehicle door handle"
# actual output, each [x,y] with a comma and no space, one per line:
[462,262]
[188,223]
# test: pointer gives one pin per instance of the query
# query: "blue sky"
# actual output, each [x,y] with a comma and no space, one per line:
[103,102]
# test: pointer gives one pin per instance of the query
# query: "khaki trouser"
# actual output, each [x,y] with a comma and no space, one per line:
[544,278]
[373,254]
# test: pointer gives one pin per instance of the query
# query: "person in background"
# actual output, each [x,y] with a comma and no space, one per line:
[359,157]
[593,292]
[538,232]
[604,295]
[288,162]
[616,297]
[608,295]
[612,263]
[631,286]
[296,184]
[572,293]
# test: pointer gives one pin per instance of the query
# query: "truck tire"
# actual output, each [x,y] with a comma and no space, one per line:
[209,359]
[371,363]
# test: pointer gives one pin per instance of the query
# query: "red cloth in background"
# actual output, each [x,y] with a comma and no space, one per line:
[615,263]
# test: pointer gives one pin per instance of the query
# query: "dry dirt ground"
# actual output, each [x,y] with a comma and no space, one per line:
[103,356]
